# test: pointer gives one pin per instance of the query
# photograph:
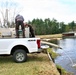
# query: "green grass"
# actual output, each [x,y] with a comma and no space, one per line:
[52,53]
[37,64]
[63,71]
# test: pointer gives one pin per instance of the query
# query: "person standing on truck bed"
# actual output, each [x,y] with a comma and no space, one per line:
[19,21]
[32,34]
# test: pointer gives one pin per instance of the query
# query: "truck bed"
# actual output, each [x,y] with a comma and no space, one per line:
[10,33]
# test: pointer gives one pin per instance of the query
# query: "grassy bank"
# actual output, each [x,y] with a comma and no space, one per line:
[37,64]
[50,36]
[53,55]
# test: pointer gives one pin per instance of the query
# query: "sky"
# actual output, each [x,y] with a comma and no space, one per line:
[61,10]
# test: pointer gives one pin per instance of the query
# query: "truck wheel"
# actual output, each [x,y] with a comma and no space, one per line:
[20,56]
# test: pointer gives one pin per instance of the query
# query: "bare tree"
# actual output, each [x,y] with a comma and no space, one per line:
[8,10]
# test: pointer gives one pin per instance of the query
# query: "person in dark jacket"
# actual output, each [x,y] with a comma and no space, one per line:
[19,21]
[32,34]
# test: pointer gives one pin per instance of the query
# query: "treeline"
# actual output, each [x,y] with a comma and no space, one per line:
[47,26]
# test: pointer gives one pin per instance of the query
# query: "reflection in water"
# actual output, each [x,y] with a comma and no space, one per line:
[68,54]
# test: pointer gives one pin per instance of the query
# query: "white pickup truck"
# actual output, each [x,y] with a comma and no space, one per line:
[19,47]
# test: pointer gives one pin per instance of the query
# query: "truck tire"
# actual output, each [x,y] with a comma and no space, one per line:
[20,56]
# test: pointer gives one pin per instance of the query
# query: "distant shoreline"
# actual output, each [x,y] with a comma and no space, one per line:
[53,36]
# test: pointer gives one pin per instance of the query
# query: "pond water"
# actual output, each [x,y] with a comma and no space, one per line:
[67,56]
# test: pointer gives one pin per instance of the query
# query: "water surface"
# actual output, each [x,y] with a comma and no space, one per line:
[68,54]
